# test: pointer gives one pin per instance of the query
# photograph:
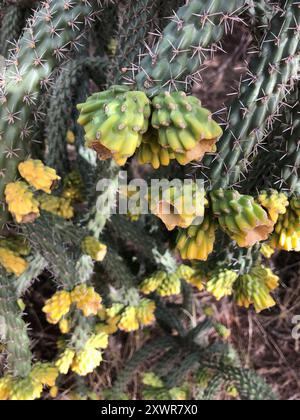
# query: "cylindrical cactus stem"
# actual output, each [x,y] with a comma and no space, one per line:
[260,14]
[54,28]
[58,242]
[285,173]
[135,20]
[185,42]
[11,28]
[270,76]
[14,330]
[36,266]
[61,106]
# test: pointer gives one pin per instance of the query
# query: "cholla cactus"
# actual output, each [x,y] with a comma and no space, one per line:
[74,109]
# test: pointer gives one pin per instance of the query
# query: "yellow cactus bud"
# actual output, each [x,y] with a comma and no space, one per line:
[17,244]
[254,288]
[86,361]
[38,175]
[197,282]
[5,387]
[274,202]
[129,321]
[267,251]
[12,262]
[97,341]
[64,326]
[95,249]
[221,283]
[185,272]
[145,312]
[25,390]
[57,307]
[58,206]
[197,242]
[171,285]
[45,373]
[73,187]
[21,202]
[86,299]
[53,392]
[150,284]
[71,137]
[110,326]
[64,362]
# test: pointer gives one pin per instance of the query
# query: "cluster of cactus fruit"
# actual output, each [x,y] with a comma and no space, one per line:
[145,116]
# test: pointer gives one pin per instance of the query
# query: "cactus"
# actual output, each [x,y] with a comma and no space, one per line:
[257,105]
[11,28]
[179,54]
[22,84]
[15,331]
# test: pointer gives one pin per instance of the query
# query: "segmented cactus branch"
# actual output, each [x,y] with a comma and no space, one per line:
[194,30]
[55,27]
[11,28]
[270,77]
[134,24]
[61,107]
[58,242]
[13,329]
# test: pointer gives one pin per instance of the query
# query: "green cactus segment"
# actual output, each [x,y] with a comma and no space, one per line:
[197,242]
[184,126]
[61,107]
[58,242]
[181,49]
[115,121]
[271,75]
[221,283]
[285,174]
[241,217]
[179,205]
[135,21]
[11,28]
[54,27]
[13,330]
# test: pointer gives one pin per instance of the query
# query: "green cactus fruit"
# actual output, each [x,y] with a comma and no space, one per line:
[180,205]
[221,283]
[245,221]
[197,242]
[150,284]
[171,285]
[184,126]
[150,151]
[274,202]
[114,122]
[255,287]
[286,235]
